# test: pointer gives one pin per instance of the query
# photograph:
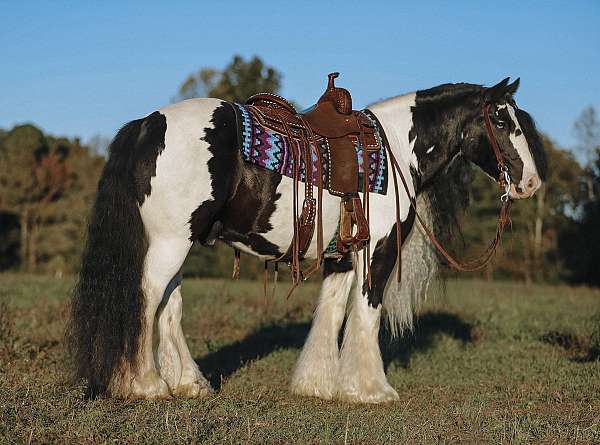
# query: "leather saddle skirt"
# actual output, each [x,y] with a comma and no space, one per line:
[265,142]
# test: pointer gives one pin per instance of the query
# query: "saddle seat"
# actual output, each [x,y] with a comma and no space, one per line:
[331,123]
[332,119]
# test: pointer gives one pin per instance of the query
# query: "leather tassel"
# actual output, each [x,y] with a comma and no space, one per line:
[366,190]
[236,264]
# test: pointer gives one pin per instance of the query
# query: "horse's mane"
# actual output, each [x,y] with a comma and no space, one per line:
[448,196]
[439,205]
[447,92]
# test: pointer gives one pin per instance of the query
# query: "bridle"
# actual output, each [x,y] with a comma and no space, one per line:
[504,212]
[504,177]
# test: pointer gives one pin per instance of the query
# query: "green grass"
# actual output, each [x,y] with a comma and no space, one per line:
[487,363]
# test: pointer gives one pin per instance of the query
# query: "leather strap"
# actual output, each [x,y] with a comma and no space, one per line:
[471,266]
[492,138]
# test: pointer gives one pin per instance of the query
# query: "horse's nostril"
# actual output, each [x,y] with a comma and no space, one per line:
[532,183]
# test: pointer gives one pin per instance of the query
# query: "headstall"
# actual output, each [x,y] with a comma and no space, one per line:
[504,212]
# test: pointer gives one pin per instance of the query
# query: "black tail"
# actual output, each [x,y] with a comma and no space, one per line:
[108,302]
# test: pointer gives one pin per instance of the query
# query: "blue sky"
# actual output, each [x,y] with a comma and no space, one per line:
[85,68]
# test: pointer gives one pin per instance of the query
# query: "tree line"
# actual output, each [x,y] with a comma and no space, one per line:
[47,185]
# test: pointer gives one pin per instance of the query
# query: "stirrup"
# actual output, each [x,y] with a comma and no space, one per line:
[352,213]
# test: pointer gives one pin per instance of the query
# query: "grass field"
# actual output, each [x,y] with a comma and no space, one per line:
[487,363]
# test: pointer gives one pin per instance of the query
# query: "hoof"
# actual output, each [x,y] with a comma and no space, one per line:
[378,393]
[192,385]
[312,391]
[193,390]
[313,385]
[316,370]
[149,387]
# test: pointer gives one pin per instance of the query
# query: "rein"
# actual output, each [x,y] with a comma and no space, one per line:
[314,206]
[503,217]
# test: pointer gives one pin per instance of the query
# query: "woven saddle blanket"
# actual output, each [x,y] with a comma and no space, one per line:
[271,150]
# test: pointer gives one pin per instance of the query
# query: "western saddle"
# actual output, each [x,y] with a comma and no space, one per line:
[333,125]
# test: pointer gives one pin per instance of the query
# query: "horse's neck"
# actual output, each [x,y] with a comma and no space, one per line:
[395,116]
[420,148]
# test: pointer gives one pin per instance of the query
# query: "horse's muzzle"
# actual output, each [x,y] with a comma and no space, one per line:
[526,188]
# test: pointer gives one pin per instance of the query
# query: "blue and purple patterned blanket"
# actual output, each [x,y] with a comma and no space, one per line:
[273,151]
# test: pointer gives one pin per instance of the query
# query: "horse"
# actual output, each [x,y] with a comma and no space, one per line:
[176,177]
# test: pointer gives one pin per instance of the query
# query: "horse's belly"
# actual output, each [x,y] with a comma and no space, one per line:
[272,227]
[278,234]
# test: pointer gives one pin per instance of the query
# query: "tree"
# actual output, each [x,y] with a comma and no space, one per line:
[31,176]
[531,248]
[98,145]
[579,244]
[587,131]
[238,81]
[42,181]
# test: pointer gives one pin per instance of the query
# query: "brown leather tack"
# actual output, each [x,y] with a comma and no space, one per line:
[333,121]
[342,129]
[504,213]
[343,168]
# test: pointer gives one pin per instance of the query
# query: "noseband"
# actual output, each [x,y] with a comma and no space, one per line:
[503,216]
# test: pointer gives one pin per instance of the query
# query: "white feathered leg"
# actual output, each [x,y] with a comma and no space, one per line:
[361,377]
[317,367]
[176,365]
[164,258]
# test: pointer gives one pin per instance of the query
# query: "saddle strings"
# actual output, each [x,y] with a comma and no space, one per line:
[294,261]
[311,143]
[297,274]
[366,192]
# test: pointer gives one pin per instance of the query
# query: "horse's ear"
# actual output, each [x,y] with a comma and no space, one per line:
[513,87]
[495,93]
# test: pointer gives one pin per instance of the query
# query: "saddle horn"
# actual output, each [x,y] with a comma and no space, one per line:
[340,97]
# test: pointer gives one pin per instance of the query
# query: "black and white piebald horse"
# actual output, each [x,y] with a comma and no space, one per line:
[176,177]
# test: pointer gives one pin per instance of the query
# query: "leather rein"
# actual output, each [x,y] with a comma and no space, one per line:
[504,212]
[312,206]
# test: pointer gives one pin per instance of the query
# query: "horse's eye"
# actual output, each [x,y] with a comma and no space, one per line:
[500,124]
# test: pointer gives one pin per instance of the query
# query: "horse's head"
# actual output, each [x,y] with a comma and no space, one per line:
[518,142]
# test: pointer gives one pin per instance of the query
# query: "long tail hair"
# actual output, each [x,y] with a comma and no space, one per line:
[108,303]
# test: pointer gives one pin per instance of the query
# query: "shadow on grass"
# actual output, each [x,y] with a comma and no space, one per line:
[223,362]
[426,328]
[579,348]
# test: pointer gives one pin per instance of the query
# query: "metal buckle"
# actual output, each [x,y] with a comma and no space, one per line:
[504,174]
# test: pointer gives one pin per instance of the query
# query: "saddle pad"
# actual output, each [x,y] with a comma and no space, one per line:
[271,150]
